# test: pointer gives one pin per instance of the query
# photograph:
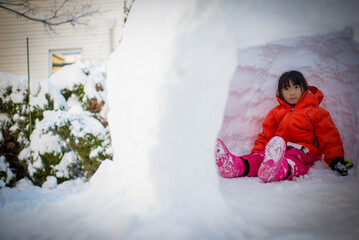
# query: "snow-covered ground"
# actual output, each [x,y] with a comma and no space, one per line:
[168,86]
[319,205]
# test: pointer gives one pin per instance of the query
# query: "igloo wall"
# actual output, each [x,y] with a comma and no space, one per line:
[328,61]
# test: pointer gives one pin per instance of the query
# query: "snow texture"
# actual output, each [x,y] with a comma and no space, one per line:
[168,86]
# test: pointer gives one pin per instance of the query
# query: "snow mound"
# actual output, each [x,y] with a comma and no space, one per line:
[158,118]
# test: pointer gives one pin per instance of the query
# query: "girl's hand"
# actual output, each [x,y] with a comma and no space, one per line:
[341,165]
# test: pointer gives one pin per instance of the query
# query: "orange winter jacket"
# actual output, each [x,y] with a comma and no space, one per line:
[306,124]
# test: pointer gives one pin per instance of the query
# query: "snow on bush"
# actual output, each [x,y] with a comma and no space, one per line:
[83,84]
[69,137]
[15,120]
[6,174]
[14,99]
[62,145]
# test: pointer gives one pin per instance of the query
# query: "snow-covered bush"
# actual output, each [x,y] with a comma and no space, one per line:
[15,116]
[69,120]
[83,84]
[66,144]
[14,103]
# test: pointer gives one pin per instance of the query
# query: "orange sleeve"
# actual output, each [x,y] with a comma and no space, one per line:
[328,136]
[268,131]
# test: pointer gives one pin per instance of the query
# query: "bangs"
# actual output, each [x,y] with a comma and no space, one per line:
[285,83]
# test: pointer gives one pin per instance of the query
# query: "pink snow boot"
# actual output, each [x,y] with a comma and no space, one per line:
[229,165]
[273,161]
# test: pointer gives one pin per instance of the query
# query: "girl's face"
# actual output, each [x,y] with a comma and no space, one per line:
[293,93]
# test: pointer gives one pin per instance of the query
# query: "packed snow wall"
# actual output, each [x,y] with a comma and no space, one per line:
[168,84]
[328,61]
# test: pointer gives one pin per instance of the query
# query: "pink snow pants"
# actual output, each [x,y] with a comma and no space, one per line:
[298,163]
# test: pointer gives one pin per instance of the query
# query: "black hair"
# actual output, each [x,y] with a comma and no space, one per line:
[297,79]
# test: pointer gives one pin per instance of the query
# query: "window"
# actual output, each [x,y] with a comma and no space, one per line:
[60,58]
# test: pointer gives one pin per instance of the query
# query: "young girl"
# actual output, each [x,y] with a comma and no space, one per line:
[295,134]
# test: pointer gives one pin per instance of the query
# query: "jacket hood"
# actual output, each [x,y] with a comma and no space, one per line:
[313,96]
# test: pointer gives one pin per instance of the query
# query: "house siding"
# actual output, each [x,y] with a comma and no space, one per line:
[93,40]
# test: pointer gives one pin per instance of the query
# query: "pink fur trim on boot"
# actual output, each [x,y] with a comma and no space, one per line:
[273,159]
[229,165]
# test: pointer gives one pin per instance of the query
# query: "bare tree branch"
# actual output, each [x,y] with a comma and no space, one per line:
[126,8]
[59,12]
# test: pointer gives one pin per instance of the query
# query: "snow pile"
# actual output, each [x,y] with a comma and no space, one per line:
[157,112]
[328,61]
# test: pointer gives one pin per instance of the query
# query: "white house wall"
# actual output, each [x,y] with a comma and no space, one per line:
[94,40]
